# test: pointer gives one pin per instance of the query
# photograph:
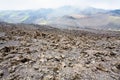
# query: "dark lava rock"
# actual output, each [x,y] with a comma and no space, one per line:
[1,73]
[24,60]
[118,66]
[5,49]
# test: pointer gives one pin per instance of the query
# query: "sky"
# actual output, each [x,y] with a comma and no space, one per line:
[37,4]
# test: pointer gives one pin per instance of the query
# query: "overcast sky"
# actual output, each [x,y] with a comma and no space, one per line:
[37,4]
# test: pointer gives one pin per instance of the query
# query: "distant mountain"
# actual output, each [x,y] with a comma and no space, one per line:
[115,12]
[27,16]
[93,11]
[66,17]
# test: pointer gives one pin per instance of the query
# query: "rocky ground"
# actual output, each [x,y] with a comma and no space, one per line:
[32,52]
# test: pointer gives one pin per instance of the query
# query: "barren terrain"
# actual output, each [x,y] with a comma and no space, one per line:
[32,52]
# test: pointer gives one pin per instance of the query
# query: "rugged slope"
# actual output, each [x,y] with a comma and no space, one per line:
[32,52]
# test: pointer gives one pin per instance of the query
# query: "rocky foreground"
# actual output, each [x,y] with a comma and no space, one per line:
[32,52]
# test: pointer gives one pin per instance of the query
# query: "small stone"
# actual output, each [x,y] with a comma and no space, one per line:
[48,77]
[27,50]
[57,58]
[114,69]
[5,49]
[44,35]
[113,53]
[88,62]
[62,56]
[12,69]
[35,40]
[118,66]
[43,60]
[36,67]
[93,62]
[78,67]
[110,47]
[17,58]
[63,65]
[56,69]
[24,60]
[102,68]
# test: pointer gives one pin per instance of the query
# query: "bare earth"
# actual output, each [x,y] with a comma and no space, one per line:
[32,52]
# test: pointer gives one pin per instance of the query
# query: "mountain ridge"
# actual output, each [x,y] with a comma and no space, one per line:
[65,17]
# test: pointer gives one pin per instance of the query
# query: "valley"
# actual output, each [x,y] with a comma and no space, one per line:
[66,17]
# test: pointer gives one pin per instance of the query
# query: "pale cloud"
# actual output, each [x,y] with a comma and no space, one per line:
[36,4]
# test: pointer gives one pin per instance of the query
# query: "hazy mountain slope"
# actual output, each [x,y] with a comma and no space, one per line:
[28,16]
[114,12]
[66,17]
[98,21]
[31,16]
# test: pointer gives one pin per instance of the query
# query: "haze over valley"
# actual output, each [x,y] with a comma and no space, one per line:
[66,17]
